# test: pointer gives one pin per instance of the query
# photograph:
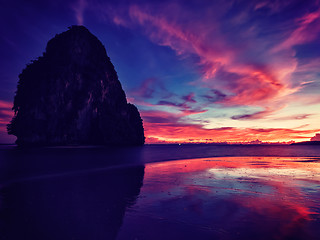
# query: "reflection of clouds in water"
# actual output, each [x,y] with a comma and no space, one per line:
[259,173]
[232,198]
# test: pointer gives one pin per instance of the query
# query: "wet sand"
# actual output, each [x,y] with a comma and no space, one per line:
[202,198]
[227,198]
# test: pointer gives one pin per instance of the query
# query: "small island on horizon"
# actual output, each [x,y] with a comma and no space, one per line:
[307,143]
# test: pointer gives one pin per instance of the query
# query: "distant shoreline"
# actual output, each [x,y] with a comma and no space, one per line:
[307,143]
[184,144]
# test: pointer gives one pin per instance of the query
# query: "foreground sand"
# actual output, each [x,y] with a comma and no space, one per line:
[64,196]
[227,198]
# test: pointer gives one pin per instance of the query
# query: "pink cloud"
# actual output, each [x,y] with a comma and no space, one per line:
[149,89]
[6,115]
[5,105]
[310,65]
[316,137]
[253,88]
[154,116]
[79,7]
[145,90]
[189,98]
[274,6]
[307,30]
[6,112]
[185,107]
[152,89]
[304,99]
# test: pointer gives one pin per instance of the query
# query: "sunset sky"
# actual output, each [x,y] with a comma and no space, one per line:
[198,71]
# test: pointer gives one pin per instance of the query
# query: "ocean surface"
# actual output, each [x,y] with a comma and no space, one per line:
[160,192]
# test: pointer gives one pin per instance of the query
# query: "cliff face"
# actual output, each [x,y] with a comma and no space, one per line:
[72,95]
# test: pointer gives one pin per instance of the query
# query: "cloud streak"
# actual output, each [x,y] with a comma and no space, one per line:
[79,8]
[6,115]
[256,115]
[219,63]
[308,28]
[6,112]
[295,117]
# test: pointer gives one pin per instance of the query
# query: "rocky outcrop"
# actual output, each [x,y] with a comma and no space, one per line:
[72,95]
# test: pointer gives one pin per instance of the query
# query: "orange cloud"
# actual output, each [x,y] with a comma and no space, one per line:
[182,132]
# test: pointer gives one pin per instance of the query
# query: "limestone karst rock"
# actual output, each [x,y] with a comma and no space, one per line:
[72,95]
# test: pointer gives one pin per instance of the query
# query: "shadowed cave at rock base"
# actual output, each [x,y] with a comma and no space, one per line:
[72,96]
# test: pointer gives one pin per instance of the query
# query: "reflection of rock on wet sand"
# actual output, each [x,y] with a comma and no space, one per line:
[86,206]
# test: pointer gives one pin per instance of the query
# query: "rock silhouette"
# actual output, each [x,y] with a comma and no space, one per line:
[72,95]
